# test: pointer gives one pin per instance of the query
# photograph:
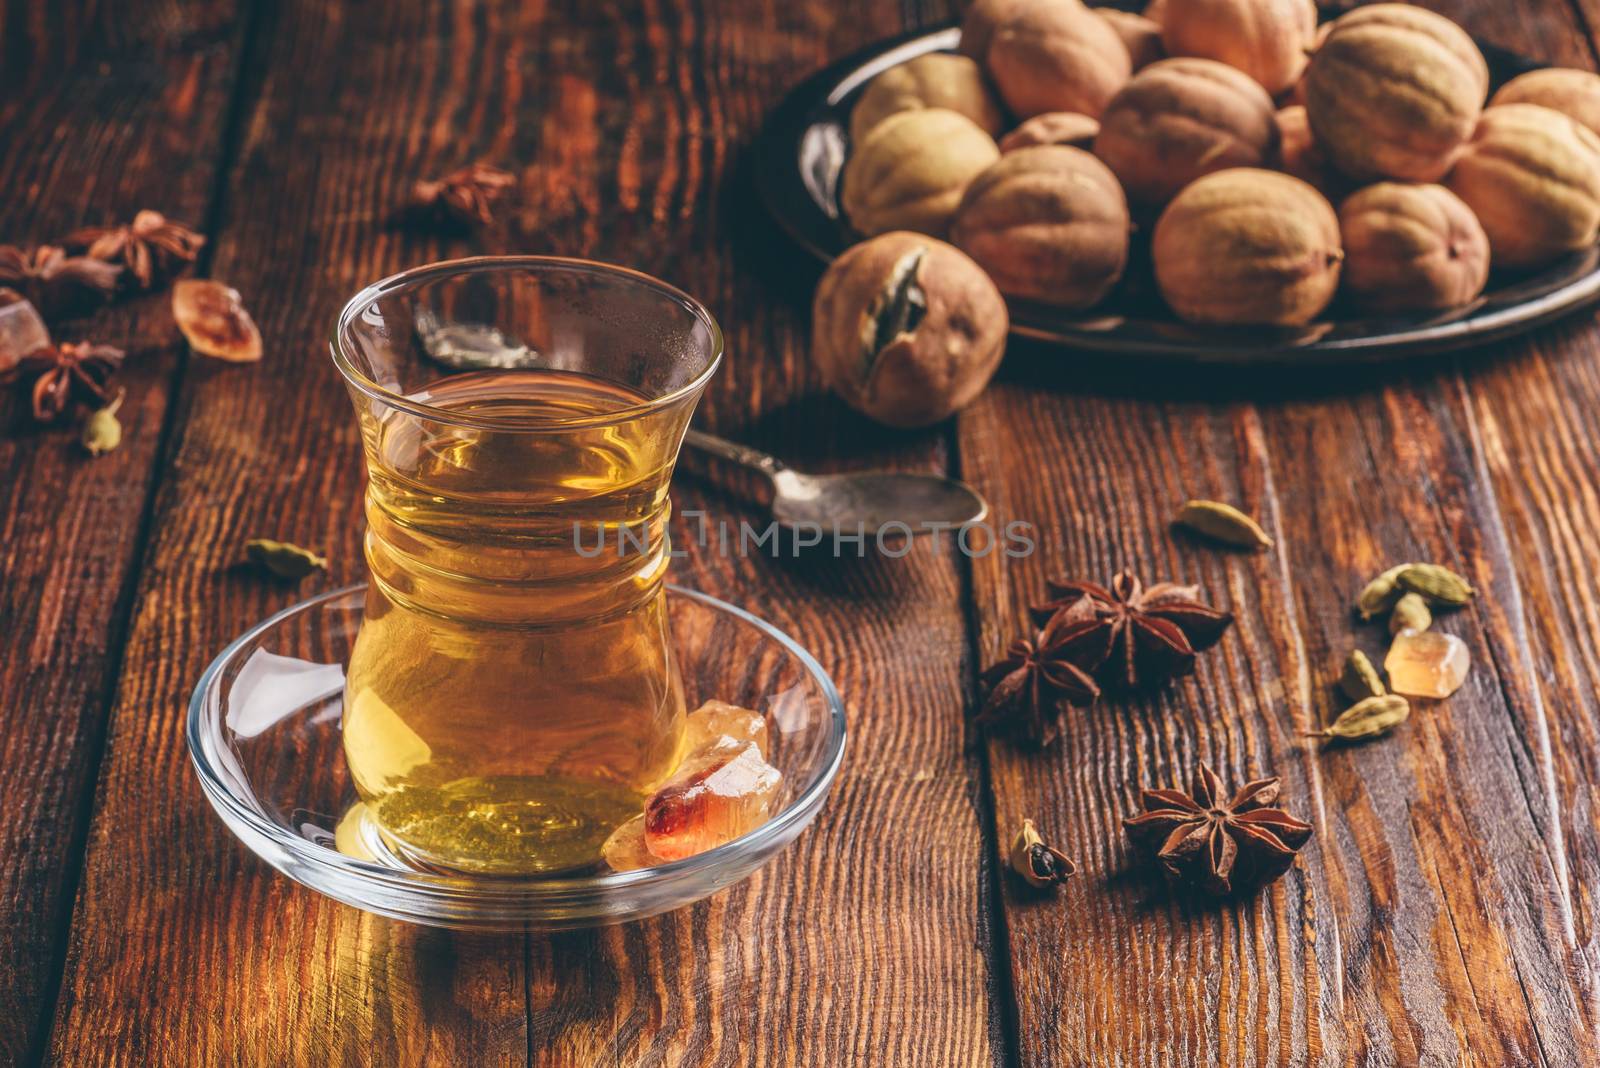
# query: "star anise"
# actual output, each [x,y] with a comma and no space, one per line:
[462,197]
[1131,635]
[1033,685]
[151,247]
[66,372]
[1216,845]
[55,283]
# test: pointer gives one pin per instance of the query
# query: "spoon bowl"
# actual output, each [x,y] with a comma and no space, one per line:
[870,503]
[874,502]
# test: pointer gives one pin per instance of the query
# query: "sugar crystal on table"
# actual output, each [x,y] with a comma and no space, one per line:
[22,331]
[716,795]
[1427,664]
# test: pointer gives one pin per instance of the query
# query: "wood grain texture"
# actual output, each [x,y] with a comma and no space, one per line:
[270,449]
[1530,416]
[1444,914]
[140,128]
[864,943]
[1437,917]
[1430,920]
[1534,419]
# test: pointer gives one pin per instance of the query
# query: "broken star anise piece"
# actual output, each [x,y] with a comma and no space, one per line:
[214,320]
[1032,686]
[64,373]
[151,247]
[1219,845]
[463,198]
[1131,635]
[55,283]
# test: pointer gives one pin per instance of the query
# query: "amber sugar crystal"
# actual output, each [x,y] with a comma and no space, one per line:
[716,720]
[625,849]
[717,795]
[22,330]
[723,788]
[1428,664]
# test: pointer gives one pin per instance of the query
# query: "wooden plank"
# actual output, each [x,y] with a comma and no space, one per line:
[1430,917]
[1438,916]
[228,963]
[864,942]
[83,144]
[1515,410]
[1533,416]
[1533,420]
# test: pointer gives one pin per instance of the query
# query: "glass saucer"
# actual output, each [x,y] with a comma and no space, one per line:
[264,734]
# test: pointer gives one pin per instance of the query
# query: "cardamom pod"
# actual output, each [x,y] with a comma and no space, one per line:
[283,559]
[1369,718]
[1039,864]
[1437,583]
[1410,614]
[1224,523]
[102,431]
[1360,679]
[1381,593]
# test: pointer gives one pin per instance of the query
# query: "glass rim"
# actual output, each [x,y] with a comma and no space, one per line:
[414,276]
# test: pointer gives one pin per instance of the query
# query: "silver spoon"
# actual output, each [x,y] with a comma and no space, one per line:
[868,501]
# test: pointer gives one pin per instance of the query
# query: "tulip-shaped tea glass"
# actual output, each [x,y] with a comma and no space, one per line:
[512,695]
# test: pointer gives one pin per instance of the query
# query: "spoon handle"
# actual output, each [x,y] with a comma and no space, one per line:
[731,450]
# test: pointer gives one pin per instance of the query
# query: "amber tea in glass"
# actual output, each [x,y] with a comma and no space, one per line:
[512,696]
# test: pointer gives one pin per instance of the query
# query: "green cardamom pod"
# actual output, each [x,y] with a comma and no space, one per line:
[283,559]
[1437,583]
[1368,718]
[1224,523]
[102,431]
[1410,614]
[1381,593]
[1360,679]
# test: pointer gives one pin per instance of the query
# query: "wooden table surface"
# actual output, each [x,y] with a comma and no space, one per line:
[1444,913]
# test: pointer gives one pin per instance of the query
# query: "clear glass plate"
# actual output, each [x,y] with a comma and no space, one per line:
[264,734]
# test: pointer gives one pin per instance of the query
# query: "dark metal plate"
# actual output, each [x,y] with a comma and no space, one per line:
[803,146]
